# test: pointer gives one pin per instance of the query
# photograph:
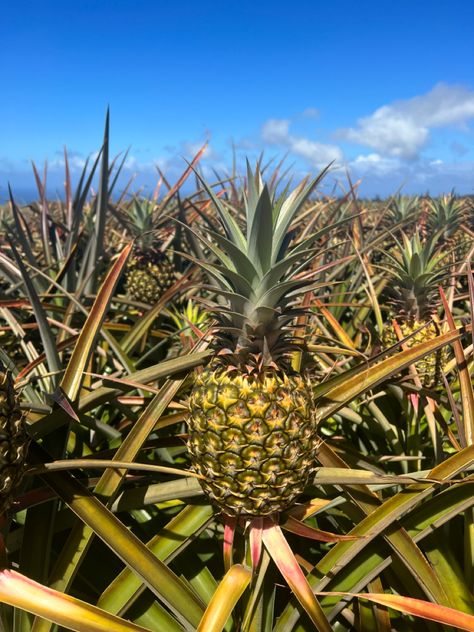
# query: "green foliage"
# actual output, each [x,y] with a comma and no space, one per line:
[109,515]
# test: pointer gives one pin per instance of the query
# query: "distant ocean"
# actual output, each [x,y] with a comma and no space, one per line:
[22,195]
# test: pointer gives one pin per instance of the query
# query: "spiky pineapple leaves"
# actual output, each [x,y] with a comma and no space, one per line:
[81,535]
[73,375]
[226,596]
[284,558]
[71,613]
[417,608]
[343,388]
[260,234]
[259,266]
[265,532]
[163,582]
[331,396]
[300,528]
[173,539]
[467,392]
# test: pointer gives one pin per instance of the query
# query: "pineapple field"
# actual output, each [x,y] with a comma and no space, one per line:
[237,404]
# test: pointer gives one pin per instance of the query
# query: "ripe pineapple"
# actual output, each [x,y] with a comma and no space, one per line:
[13,439]
[252,430]
[415,273]
[150,272]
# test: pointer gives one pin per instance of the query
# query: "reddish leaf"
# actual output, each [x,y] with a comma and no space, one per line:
[283,556]
[417,608]
[298,527]
[230,524]
[256,541]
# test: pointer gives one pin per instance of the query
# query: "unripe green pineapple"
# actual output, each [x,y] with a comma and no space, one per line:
[13,439]
[252,428]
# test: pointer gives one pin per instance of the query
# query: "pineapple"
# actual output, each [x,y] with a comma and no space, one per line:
[414,275]
[150,272]
[13,439]
[252,430]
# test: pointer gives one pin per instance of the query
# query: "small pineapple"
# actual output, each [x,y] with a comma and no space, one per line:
[149,274]
[414,275]
[150,271]
[252,431]
[13,439]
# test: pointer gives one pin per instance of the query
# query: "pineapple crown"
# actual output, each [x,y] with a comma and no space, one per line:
[446,215]
[416,270]
[144,219]
[404,208]
[258,273]
[191,315]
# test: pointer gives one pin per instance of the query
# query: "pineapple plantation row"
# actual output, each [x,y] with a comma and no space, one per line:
[237,404]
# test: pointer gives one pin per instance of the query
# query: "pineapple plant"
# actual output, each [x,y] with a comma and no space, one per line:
[252,431]
[150,271]
[414,273]
[404,209]
[13,439]
[188,321]
[149,274]
[446,217]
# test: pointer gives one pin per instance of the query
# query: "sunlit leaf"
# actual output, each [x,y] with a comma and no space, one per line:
[419,608]
[21,592]
[283,556]
[225,598]
[73,375]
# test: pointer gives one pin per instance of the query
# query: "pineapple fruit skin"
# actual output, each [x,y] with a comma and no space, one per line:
[428,368]
[149,276]
[252,438]
[13,440]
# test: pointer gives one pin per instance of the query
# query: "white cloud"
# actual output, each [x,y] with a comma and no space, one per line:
[277,132]
[390,133]
[76,161]
[374,164]
[444,105]
[190,149]
[385,175]
[314,152]
[402,128]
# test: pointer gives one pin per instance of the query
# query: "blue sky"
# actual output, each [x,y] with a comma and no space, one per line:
[384,88]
